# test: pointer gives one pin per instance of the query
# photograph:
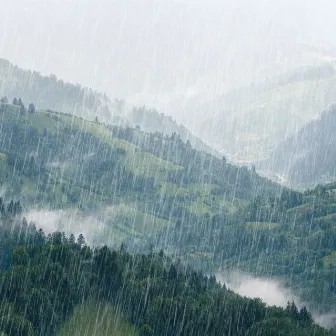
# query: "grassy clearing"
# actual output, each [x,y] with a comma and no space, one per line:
[198,208]
[302,209]
[173,189]
[329,260]
[140,163]
[202,189]
[231,206]
[262,225]
[147,164]
[133,222]
[331,217]
[42,121]
[99,131]
[96,319]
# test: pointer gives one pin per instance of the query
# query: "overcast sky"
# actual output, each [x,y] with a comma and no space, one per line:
[163,51]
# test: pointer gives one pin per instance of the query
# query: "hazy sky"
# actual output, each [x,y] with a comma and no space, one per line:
[161,52]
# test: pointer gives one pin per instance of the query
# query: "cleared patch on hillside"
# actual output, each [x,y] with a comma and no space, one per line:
[302,209]
[139,162]
[329,260]
[96,319]
[331,217]
[202,189]
[147,164]
[198,208]
[262,225]
[133,222]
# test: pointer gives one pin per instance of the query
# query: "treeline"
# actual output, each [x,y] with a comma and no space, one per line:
[49,276]
[52,92]
[18,102]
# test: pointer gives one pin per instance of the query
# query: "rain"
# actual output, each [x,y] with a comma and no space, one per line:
[167,167]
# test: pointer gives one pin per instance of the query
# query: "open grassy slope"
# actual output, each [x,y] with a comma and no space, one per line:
[96,319]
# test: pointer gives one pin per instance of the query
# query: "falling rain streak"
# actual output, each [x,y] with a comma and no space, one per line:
[167,167]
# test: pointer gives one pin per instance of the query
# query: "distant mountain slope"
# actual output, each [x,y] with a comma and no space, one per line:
[309,157]
[248,123]
[49,92]
[152,121]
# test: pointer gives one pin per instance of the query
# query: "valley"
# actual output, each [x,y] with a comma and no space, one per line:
[119,185]
[167,168]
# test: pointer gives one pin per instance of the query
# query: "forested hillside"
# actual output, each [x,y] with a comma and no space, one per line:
[152,121]
[52,280]
[308,158]
[179,180]
[150,189]
[292,238]
[58,161]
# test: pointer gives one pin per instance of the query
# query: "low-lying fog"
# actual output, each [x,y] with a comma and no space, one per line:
[96,228]
[271,291]
[93,226]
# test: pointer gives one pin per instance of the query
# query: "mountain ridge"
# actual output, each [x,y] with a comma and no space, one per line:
[52,93]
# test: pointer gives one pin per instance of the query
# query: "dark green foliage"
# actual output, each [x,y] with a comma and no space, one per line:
[31,108]
[81,240]
[291,236]
[46,281]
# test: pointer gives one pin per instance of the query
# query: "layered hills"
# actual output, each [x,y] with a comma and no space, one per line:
[124,185]
[307,158]
[248,123]
[50,92]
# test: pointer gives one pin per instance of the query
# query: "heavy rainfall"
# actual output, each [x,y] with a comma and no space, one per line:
[167,167]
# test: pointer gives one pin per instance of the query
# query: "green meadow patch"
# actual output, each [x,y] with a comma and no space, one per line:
[147,164]
[329,260]
[262,225]
[96,319]
[198,208]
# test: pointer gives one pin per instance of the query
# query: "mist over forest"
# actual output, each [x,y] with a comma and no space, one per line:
[167,167]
